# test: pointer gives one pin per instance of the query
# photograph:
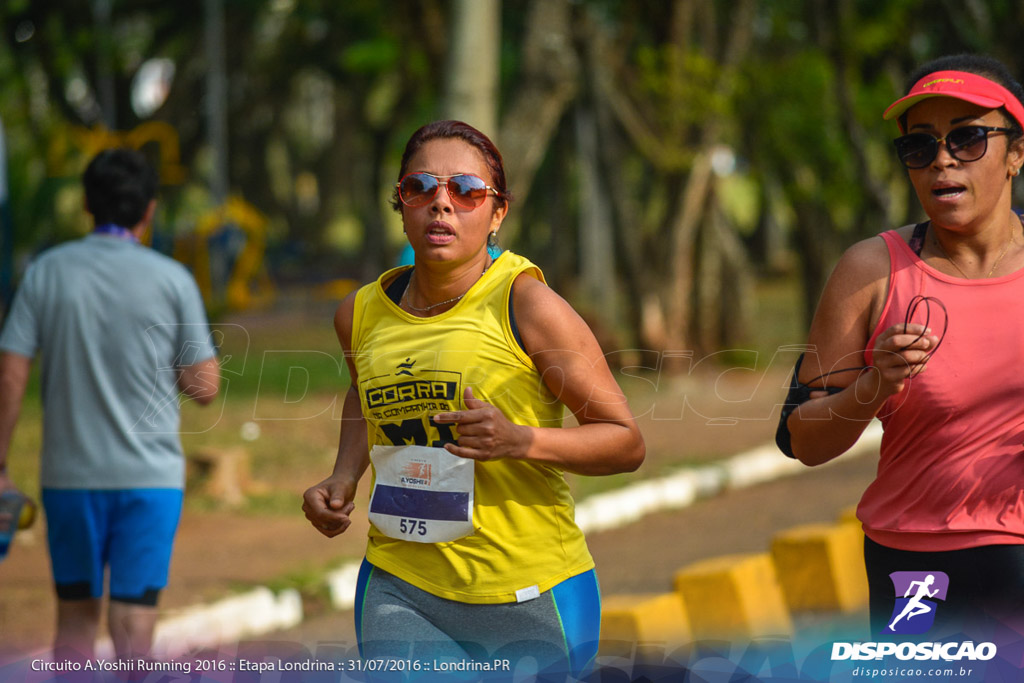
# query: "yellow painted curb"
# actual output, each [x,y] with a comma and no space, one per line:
[658,618]
[733,596]
[821,567]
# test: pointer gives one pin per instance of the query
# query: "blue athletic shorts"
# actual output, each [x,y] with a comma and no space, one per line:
[131,531]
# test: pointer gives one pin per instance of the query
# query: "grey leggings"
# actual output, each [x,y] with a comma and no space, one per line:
[556,633]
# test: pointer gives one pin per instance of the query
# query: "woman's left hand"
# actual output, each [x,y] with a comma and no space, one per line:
[484,431]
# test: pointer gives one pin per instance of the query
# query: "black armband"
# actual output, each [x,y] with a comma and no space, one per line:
[799,393]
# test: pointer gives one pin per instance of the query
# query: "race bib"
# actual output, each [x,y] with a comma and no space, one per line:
[421,494]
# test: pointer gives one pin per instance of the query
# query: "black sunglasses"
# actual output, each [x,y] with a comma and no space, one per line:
[967,143]
[466,190]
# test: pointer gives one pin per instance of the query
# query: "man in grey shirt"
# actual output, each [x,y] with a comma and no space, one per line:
[122,334]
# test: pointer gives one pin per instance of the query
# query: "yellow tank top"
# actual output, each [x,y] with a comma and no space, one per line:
[525,537]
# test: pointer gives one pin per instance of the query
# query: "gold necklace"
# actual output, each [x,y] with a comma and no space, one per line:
[995,265]
[431,307]
[427,309]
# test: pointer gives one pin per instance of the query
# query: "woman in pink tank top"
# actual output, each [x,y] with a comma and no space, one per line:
[948,498]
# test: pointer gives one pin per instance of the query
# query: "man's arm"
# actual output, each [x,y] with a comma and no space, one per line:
[200,381]
[14,371]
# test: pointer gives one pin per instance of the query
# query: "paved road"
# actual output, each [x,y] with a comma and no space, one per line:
[639,558]
[643,557]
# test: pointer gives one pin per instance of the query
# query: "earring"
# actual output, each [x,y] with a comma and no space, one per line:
[1015,172]
[492,239]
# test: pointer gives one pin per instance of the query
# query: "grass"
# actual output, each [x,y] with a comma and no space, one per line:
[290,358]
[779,314]
[308,580]
[26,444]
[283,377]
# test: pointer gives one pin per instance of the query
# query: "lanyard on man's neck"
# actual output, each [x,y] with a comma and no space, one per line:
[115,230]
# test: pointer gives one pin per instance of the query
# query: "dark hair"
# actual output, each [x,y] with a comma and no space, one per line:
[119,184]
[980,65]
[468,134]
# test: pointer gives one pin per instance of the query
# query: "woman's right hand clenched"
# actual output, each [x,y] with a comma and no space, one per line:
[328,505]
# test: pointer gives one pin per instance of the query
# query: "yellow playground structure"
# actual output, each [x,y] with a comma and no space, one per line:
[235,277]
[247,283]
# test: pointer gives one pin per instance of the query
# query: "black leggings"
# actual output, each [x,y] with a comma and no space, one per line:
[985,583]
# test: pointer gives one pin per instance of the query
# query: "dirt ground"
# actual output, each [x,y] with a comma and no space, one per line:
[684,420]
[644,557]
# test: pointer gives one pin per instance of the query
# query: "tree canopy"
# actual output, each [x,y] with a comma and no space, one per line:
[665,156]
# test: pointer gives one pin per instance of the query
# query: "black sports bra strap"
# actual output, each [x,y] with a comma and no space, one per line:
[397,287]
[916,242]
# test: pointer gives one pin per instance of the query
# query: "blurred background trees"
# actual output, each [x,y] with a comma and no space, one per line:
[674,162]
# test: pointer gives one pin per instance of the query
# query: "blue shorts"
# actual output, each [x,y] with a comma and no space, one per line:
[131,531]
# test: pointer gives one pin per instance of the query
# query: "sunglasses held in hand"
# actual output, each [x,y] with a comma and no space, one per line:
[967,143]
[466,190]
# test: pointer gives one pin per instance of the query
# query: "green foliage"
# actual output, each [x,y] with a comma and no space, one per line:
[681,83]
[329,91]
[267,362]
[370,56]
[802,131]
[738,196]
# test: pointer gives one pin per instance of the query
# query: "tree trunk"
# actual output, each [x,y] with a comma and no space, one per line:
[816,244]
[549,82]
[471,92]
[734,301]
[596,245]
[876,194]
[688,213]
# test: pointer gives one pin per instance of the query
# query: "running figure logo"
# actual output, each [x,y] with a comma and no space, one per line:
[416,473]
[914,612]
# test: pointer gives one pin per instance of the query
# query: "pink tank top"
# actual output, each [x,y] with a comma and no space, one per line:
[951,472]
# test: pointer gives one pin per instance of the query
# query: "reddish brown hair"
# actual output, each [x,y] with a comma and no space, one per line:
[441,130]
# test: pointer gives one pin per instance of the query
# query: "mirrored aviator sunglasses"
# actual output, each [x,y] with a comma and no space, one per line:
[967,143]
[466,190]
